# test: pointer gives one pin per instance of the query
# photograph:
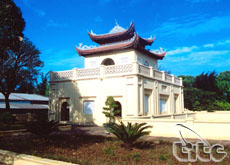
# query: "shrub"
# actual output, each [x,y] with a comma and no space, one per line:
[163,157]
[108,151]
[41,127]
[224,105]
[129,133]
[136,156]
[6,117]
[109,111]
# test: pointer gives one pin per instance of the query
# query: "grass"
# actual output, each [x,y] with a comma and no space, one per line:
[89,149]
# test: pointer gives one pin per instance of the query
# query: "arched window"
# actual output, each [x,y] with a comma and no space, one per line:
[146,63]
[108,61]
[65,111]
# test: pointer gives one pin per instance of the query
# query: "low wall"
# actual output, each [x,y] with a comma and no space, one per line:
[209,125]
[8,157]
[213,116]
[24,111]
[27,115]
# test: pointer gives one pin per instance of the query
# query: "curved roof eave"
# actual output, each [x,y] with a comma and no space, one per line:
[104,38]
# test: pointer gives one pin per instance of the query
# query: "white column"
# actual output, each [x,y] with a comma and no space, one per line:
[173,79]
[171,101]
[74,73]
[156,102]
[151,71]
[181,81]
[182,99]
[163,75]
[142,98]
[102,68]
[136,86]
[135,67]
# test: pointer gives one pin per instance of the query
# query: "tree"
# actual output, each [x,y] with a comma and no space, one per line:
[11,27]
[26,86]
[20,65]
[223,83]
[206,82]
[187,81]
[43,87]
[109,110]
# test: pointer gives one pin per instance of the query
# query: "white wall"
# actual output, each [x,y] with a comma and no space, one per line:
[141,58]
[119,57]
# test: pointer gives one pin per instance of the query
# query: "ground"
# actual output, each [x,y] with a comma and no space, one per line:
[90,145]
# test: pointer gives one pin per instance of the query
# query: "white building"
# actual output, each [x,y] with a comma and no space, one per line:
[120,67]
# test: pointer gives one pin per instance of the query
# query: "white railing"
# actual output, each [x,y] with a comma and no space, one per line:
[116,69]
[144,70]
[177,81]
[111,70]
[168,78]
[158,74]
[62,75]
[88,72]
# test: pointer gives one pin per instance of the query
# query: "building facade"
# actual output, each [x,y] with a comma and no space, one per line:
[122,67]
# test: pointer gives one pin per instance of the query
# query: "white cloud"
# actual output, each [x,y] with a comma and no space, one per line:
[208,45]
[192,25]
[222,43]
[219,43]
[65,59]
[38,11]
[53,23]
[210,53]
[182,50]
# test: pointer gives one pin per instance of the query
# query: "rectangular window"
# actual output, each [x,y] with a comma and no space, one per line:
[163,106]
[146,105]
[88,107]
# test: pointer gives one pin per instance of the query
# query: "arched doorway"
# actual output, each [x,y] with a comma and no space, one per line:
[108,61]
[119,107]
[65,111]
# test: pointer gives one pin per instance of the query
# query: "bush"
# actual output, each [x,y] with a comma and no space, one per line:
[130,133]
[41,127]
[109,111]
[108,151]
[136,156]
[163,157]
[6,117]
[223,105]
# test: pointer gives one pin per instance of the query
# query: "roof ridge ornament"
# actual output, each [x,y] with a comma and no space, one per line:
[85,47]
[158,51]
[116,22]
[117,28]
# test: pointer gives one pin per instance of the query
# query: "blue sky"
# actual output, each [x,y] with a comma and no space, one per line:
[195,33]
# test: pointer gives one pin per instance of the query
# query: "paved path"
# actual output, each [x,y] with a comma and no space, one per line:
[96,130]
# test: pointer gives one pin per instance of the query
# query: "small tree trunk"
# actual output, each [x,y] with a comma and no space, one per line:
[7,101]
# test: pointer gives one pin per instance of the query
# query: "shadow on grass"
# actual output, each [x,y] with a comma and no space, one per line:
[69,140]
